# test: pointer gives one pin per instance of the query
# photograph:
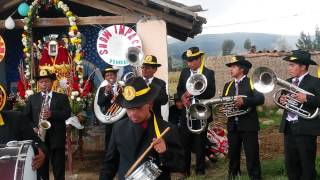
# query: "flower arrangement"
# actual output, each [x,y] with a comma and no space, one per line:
[74,45]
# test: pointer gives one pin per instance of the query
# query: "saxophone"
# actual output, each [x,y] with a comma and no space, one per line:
[44,124]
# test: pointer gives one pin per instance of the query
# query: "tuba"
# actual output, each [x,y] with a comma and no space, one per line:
[265,80]
[134,56]
[200,109]
[195,85]
[44,124]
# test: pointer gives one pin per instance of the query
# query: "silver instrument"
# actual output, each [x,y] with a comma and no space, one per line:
[44,124]
[147,171]
[200,108]
[195,85]
[115,112]
[265,80]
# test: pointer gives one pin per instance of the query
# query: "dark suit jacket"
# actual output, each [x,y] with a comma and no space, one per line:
[17,128]
[130,140]
[103,100]
[61,111]
[307,126]
[248,121]
[162,98]
[211,87]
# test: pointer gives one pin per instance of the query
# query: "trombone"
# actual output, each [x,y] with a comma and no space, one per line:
[265,80]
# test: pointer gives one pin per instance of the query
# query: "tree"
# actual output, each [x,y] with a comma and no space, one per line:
[247,44]
[281,44]
[316,41]
[227,47]
[304,42]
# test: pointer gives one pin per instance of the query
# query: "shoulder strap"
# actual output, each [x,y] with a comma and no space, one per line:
[228,88]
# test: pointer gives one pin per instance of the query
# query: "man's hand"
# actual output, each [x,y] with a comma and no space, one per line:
[186,99]
[239,102]
[38,160]
[283,99]
[46,114]
[159,145]
[300,97]
[36,130]
[108,89]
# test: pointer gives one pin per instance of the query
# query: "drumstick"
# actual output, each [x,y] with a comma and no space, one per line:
[142,156]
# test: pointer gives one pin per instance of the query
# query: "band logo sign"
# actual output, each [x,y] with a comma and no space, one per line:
[113,43]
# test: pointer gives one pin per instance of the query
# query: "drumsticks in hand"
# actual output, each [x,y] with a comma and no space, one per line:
[135,164]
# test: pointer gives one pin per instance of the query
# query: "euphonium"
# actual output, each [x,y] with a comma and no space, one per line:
[264,81]
[200,109]
[44,124]
[134,56]
[195,85]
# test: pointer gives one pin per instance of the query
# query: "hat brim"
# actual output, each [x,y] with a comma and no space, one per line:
[244,63]
[152,65]
[114,71]
[300,61]
[186,58]
[140,100]
[51,76]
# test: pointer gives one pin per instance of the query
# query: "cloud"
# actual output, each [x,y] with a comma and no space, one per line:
[265,16]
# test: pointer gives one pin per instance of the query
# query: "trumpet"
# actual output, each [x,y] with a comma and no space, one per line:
[200,109]
[265,80]
[44,124]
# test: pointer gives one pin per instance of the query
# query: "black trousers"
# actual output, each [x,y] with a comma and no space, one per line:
[107,135]
[57,159]
[250,143]
[198,143]
[300,156]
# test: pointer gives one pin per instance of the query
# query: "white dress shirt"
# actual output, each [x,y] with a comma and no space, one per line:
[295,118]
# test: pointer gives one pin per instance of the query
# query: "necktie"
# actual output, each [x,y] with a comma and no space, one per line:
[237,88]
[147,81]
[296,83]
[237,93]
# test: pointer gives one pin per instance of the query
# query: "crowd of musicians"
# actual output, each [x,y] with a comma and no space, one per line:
[142,127]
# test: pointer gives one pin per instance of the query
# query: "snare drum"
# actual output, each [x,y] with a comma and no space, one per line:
[147,171]
[15,161]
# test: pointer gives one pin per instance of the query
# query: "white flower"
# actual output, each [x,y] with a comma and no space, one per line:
[28,54]
[63,83]
[32,81]
[81,82]
[80,76]
[72,23]
[71,33]
[74,93]
[25,28]
[28,73]
[27,66]
[72,19]
[78,99]
[29,92]
[78,34]
[72,97]
[60,3]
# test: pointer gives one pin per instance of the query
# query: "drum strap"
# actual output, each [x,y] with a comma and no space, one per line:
[156,128]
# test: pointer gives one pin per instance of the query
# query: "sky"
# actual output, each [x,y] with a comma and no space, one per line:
[284,17]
